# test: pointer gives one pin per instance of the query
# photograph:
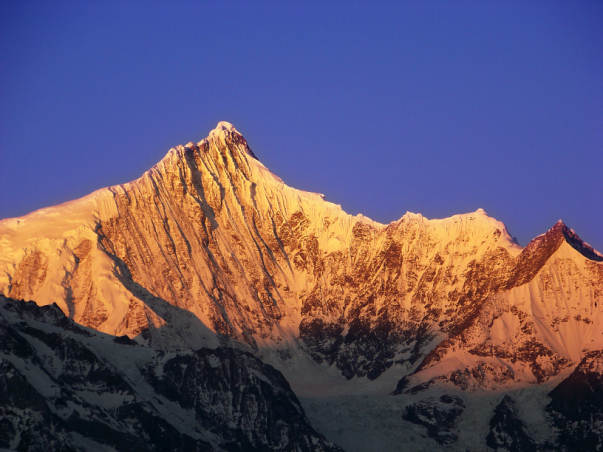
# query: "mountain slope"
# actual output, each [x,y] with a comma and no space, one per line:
[64,387]
[208,248]
[542,320]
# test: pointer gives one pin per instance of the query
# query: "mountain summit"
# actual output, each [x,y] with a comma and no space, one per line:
[210,249]
[226,132]
[222,128]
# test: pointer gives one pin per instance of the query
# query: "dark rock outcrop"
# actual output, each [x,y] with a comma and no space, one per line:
[438,415]
[64,387]
[507,430]
[576,406]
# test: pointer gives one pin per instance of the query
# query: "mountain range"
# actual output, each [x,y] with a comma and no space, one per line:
[207,305]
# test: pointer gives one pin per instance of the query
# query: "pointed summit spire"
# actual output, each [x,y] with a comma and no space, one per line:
[226,132]
[224,126]
[577,243]
[561,232]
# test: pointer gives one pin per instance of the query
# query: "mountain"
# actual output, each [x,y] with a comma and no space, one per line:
[424,319]
[67,387]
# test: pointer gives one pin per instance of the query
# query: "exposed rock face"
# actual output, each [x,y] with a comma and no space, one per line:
[247,402]
[507,431]
[438,415]
[577,406]
[67,388]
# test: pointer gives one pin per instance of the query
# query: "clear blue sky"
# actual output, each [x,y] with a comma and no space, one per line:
[433,107]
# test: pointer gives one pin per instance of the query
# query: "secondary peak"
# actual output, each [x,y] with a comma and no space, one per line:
[561,230]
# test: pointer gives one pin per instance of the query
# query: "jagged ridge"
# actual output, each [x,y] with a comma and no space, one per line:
[70,388]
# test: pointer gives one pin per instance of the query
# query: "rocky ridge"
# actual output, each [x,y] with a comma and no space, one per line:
[65,387]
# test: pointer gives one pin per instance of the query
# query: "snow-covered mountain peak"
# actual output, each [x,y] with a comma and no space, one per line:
[412,216]
[222,128]
[559,226]
[224,140]
[577,243]
[559,233]
[227,135]
[477,227]
[479,214]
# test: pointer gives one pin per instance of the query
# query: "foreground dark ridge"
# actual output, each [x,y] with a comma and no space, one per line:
[64,387]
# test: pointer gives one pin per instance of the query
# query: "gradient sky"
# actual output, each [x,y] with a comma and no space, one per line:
[431,107]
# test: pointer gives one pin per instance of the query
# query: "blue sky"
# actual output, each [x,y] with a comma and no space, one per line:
[432,107]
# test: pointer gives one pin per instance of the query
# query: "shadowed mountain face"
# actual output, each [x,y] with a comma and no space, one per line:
[209,248]
[577,405]
[507,431]
[64,387]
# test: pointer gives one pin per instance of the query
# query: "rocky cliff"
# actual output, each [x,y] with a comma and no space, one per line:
[65,387]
